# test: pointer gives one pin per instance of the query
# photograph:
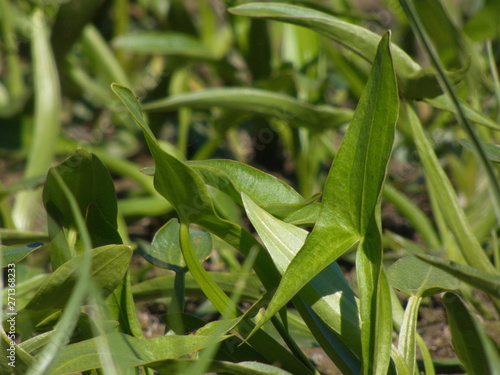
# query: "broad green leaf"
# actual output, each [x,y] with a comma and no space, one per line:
[328,294]
[109,264]
[165,248]
[163,286]
[47,119]
[132,352]
[14,254]
[443,102]
[417,278]
[353,185]
[473,347]
[163,43]
[441,187]
[356,38]
[488,283]
[260,102]
[492,150]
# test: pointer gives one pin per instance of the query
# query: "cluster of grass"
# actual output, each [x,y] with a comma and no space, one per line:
[320,94]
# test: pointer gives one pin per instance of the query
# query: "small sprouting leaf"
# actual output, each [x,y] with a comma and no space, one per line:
[417,278]
[14,254]
[166,251]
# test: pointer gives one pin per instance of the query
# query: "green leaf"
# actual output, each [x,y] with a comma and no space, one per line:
[260,102]
[492,150]
[356,38]
[166,251]
[14,254]
[163,286]
[417,278]
[486,282]
[130,351]
[473,347]
[328,294]
[163,43]
[109,264]
[441,187]
[353,185]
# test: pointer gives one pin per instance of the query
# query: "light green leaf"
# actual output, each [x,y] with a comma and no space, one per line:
[14,254]
[163,43]
[353,185]
[328,294]
[472,345]
[441,187]
[261,102]
[417,278]
[486,282]
[356,38]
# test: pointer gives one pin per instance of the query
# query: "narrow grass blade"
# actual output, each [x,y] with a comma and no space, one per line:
[445,195]
[47,120]
[353,185]
[476,351]
[258,101]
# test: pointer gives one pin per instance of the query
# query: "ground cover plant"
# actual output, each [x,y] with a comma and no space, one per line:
[239,187]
